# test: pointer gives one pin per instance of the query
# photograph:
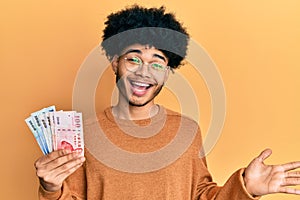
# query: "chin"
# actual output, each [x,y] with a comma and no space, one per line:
[139,102]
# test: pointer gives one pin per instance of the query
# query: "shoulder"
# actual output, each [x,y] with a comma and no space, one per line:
[182,124]
[187,129]
[176,116]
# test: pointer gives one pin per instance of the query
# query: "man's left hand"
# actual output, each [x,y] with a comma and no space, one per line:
[261,179]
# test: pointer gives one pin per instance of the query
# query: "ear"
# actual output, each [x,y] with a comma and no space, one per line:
[115,63]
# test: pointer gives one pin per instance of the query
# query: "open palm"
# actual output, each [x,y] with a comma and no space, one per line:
[262,179]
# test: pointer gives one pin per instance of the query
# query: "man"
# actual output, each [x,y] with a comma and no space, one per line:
[136,124]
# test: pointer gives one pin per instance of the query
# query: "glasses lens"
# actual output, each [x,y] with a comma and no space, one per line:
[157,67]
[132,63]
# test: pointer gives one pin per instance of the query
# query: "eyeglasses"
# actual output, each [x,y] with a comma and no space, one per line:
[133,63]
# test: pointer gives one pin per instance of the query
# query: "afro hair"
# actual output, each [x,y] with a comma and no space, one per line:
[146,26]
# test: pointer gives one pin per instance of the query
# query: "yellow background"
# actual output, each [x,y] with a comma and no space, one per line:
[255,45]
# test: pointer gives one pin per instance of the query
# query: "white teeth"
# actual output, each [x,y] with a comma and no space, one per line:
[140,84]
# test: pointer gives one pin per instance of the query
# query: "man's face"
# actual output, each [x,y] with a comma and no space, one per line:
[141,73]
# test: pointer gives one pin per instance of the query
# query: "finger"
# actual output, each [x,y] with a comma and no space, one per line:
[59,174]
[264,155]
[291,165]
[67,173]
[61,161]
[68,165]
[51,156]
[295,174]
[60,154]
[46,168]
[289,190]
[291,181]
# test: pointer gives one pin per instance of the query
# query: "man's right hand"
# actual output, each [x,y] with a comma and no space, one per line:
[54,168]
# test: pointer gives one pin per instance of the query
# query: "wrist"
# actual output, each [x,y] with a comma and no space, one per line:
[50,187]
[247,186]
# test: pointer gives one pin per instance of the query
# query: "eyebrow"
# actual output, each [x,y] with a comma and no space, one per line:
[140,52]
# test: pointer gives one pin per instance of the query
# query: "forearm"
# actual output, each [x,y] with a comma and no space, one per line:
[233,189]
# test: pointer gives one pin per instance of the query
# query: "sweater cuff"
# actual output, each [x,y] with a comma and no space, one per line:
[242,183]
[44,194]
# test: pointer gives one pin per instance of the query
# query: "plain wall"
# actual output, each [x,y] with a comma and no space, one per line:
[255,45]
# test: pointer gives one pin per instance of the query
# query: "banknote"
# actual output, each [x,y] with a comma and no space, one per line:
[32,127]
[54,130]
[69,131]
[39,127]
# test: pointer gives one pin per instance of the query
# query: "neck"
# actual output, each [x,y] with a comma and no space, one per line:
[126,111]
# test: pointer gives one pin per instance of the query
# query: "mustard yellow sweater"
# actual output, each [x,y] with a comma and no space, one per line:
[152,159]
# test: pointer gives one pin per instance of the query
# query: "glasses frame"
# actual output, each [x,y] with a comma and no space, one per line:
[142,63]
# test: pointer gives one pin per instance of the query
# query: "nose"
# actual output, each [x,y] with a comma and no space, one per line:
[143,71]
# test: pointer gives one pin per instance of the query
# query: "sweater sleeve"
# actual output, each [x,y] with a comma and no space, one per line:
[233,189]
[74,187]
[206,189]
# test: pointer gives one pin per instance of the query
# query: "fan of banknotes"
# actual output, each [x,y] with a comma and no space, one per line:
[55,130]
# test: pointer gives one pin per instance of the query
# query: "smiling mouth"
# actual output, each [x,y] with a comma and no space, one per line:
[139,88]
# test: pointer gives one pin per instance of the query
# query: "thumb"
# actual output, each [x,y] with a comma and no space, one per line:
[264,155]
